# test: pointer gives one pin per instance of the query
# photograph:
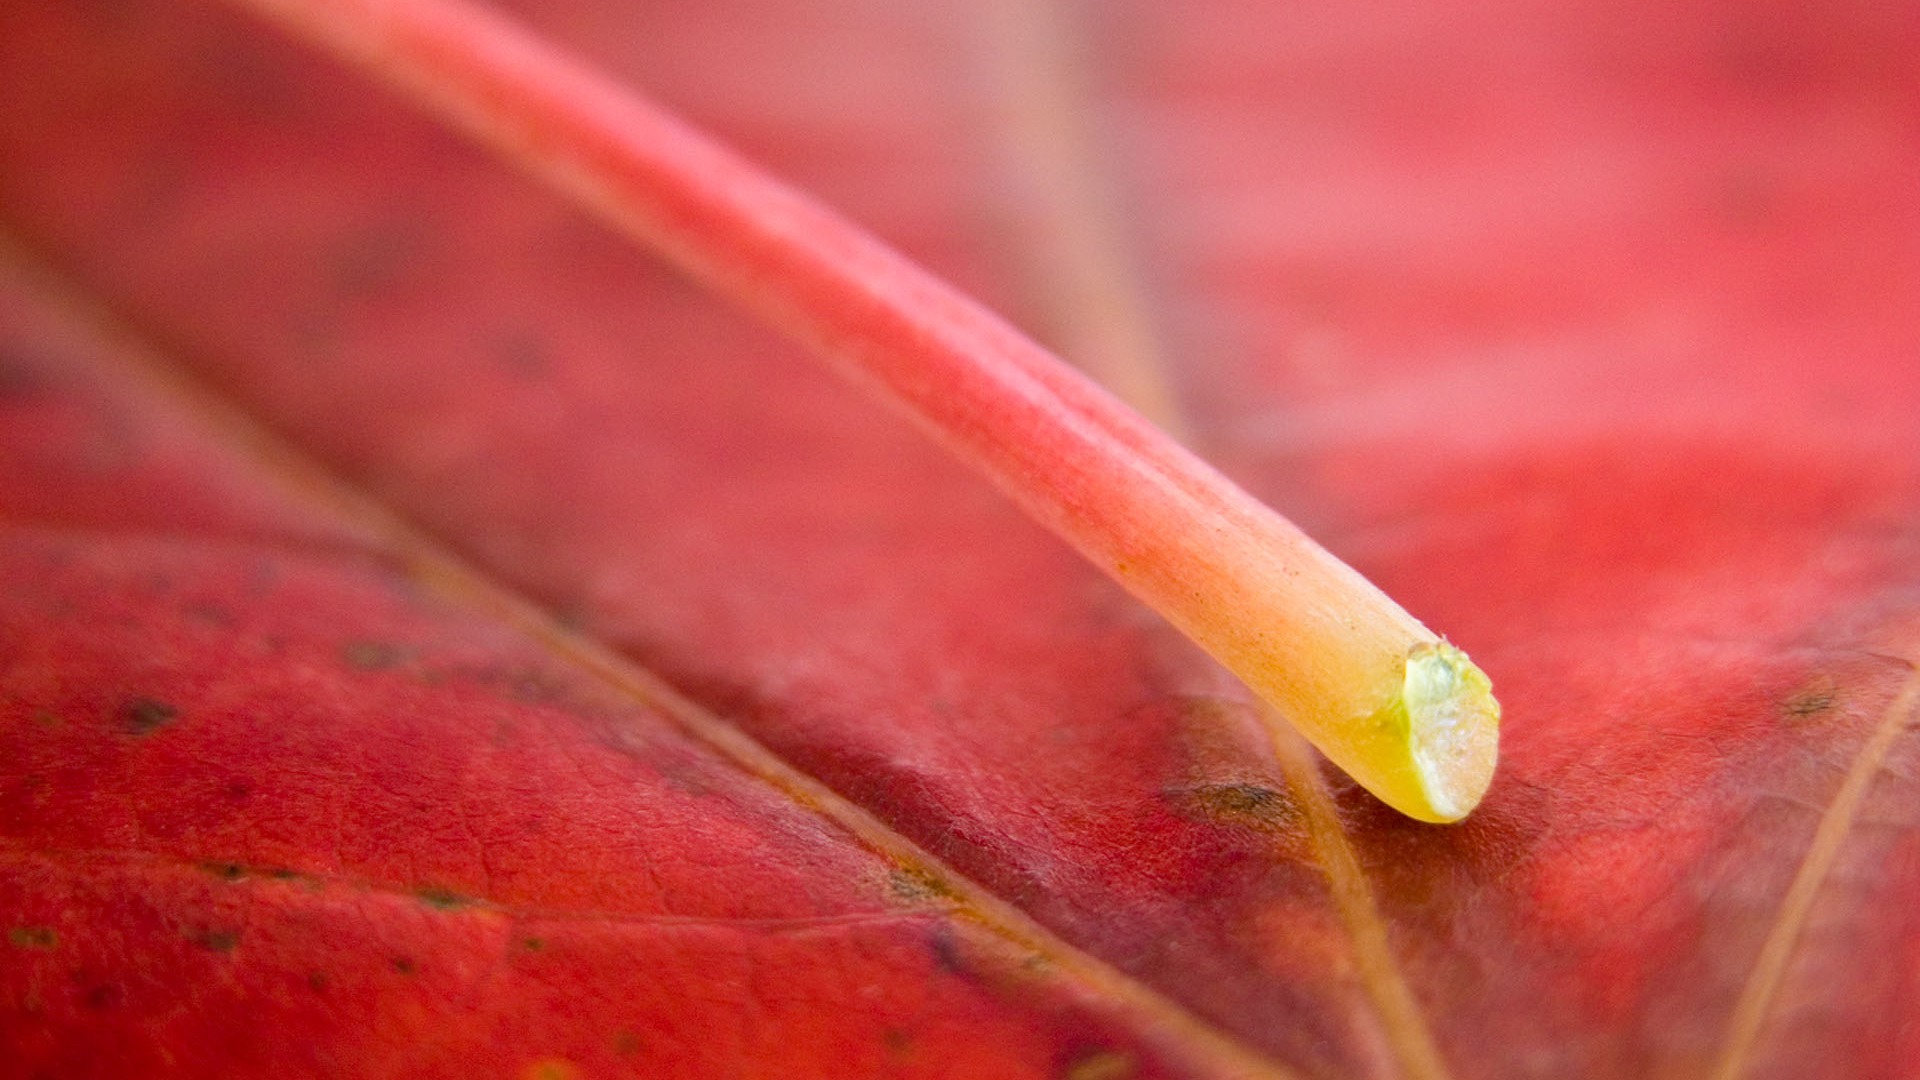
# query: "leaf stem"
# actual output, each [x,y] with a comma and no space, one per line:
[1405,714]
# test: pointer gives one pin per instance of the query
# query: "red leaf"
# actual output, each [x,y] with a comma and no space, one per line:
[1586,332]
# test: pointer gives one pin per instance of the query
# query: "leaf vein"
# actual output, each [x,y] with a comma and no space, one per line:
[436,567]
[1769,970]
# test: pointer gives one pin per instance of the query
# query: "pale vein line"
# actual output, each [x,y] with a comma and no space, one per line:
[1401,1018]
[1153,1018]
[1770,968]
[1071,236]
[1102,318]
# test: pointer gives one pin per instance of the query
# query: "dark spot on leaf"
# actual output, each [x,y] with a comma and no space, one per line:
[897,1040]
[377,257]
[523,354]
[1101,1065]
[224,871]
[238,791]
[1809,703]
[263,576]
[141,716]
[575,616]
[626,1043]
[372,655]
[506,734]
[315,334]
[404,965]
[533,944]
[317,981]
[22,376]
[34,937]
[215,939]
[444,899]
[103,996]
[1244,804]
[1238,799]
[210,614]
[946,951]
[532,688]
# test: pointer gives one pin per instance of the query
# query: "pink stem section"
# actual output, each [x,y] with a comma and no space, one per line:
[1306,631]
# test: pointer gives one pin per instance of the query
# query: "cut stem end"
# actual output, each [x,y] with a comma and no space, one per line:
[1453,730]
